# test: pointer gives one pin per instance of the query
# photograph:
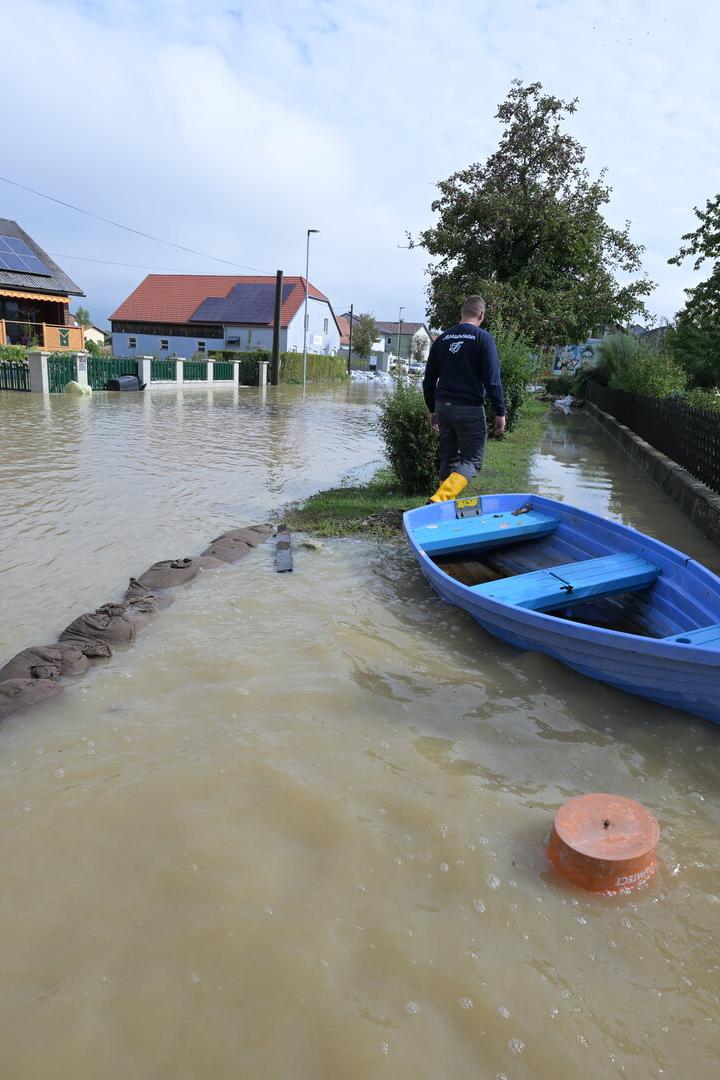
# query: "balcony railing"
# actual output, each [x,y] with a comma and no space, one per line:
[42,335]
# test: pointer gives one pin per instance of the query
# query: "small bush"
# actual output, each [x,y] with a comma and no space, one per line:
[519,367]
[558,384]
[13,352]
[581,379]
[639,368]
[703,398]
[410,443]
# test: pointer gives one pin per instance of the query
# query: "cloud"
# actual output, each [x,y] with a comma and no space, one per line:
[231,126]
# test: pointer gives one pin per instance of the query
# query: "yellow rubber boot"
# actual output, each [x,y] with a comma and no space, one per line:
[450,488]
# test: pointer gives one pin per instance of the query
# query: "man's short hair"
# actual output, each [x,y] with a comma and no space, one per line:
[473,305]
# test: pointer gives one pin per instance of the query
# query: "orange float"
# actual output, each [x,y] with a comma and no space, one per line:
[604,843]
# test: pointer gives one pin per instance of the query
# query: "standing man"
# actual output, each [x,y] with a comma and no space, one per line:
[462,367]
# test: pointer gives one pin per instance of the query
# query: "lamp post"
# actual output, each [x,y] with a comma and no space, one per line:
[400,322]
[305,321]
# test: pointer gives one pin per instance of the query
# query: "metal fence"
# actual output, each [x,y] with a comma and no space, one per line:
[195,370]
[222,371]
[102,368]
[61,370]
[14,375]
[163,370]
[689,436]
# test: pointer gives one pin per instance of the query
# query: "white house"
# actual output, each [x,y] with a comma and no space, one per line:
[189,314]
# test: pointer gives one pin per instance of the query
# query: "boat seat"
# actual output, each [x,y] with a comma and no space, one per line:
[562,586]
[707,637]
[486,530]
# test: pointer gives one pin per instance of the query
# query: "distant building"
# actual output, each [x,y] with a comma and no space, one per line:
[413,335]
[189,314]
[34,295]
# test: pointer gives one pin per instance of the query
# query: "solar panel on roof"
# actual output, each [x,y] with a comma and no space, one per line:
[17,256]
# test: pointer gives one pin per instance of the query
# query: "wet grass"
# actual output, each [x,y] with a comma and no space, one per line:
[376,508]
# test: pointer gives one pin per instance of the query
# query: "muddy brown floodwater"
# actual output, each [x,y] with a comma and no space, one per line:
[297,830]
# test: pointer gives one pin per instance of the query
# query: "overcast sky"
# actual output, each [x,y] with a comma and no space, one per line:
[231,126]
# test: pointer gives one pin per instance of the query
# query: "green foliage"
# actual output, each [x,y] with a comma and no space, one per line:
[320,368]
[581,379]
[703,398]
[519,366]
[558,384]
[93,348]
[695,340]
[82,316]
[410,443]
[629,364]
[364,334]
[13,352]
[525,230]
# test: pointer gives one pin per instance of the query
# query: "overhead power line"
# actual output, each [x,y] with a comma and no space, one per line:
[109,262]
[127,228]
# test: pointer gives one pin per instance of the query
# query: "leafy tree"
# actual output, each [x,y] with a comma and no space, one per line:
[525,230]
[93,348]
[419,349]
[82,316]
[364,334]
[695,339]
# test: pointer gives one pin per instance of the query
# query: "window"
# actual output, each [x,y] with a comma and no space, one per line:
[132,343]
[201,346]
[164,344]
[325,327]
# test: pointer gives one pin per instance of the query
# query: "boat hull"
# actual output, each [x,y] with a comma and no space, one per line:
[683,677]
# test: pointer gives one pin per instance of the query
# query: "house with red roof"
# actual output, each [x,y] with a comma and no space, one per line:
[190,314]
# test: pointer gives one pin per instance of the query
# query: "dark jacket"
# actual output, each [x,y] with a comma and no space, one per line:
[462,367]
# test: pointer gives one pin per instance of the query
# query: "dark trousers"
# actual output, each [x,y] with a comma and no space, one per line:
[463,433]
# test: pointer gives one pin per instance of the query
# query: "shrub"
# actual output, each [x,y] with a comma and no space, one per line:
[639,368]
[558,384]
[410,443]
[581,379]
[320,368]
[519,366]
[13,352]
[697,350]
[704,398]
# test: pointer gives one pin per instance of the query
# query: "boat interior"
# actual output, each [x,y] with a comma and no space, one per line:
[534,560]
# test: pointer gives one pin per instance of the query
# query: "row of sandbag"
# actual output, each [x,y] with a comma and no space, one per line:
[33,675]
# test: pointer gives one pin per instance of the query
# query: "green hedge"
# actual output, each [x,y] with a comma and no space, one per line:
[13,352]
[319,368]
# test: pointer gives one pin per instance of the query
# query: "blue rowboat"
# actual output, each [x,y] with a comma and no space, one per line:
[606,600]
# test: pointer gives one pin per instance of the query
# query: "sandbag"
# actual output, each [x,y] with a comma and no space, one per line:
[135,591]
[251,534]
[111,622]
[207,562]
[92,648]
[17,694]
[46,662]
[228,551]
[164,575]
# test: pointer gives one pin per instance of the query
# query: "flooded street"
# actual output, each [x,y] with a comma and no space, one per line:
[297,830]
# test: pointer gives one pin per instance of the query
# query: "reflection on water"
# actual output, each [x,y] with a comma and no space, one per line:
[297,831]
[580,464]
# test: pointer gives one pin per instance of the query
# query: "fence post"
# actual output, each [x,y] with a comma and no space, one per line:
[210,370]
[236,371]
[144,369]
[180,370]
[262,372]
[39,379]
[81,367]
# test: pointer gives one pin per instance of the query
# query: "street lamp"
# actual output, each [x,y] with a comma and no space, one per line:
[305,323]
[400,322]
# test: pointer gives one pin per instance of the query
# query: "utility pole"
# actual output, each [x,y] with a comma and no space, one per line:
[275,365]
[305,322]
[350,346]
[400,322]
